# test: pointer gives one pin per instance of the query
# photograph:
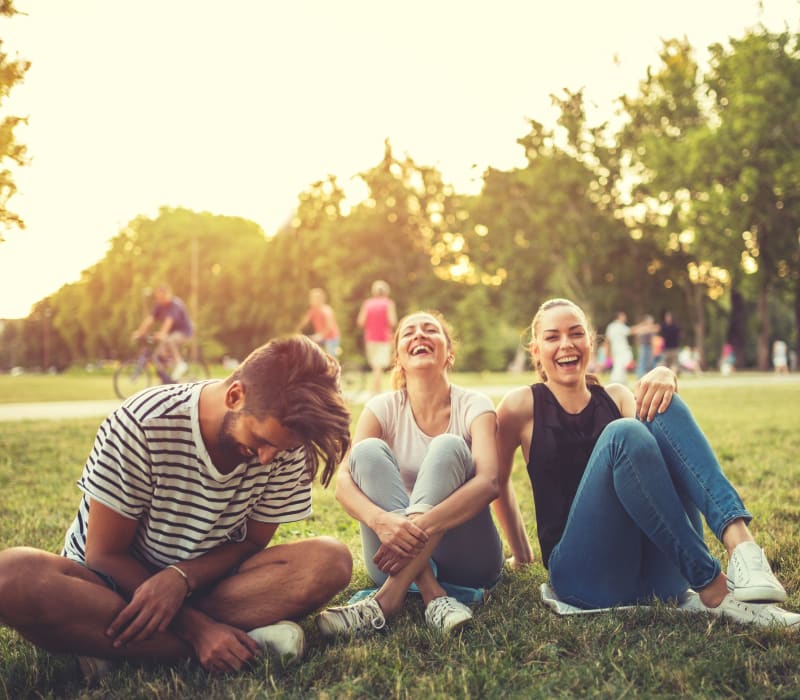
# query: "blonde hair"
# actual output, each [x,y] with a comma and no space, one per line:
[398,373]
[536,327]
[380,288]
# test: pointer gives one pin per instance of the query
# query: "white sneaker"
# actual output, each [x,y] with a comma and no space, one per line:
[363,617]
[446,614]
[764,615]
[93,669]
[181,368]
[285,638]
[752,577]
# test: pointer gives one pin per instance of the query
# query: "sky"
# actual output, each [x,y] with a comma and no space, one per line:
[236,107]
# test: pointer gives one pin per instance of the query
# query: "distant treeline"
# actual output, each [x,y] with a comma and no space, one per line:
[689,201]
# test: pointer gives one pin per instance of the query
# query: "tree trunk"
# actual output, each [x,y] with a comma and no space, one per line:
[796,319]
[736,326]
[696,296]
[764,329]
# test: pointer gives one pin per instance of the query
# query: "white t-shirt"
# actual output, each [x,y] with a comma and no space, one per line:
[149,463]
[401,432]
[617,334]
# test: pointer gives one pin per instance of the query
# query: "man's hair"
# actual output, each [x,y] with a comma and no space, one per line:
[292,380]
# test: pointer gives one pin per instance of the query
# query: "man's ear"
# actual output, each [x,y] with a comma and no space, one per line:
[234,396]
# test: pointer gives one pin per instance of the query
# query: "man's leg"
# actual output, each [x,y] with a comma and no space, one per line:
[62,606]
[284,582]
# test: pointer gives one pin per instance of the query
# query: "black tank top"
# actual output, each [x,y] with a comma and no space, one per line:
[560,448]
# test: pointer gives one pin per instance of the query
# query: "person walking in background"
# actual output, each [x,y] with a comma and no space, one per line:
[620,482]
[780,357]
[617,333]
[169,556]
[671,333]
[644,331]
[323,322]
[378,317]
[419,479]
[175,329]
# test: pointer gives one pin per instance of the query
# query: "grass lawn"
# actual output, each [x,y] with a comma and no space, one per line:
[516,648]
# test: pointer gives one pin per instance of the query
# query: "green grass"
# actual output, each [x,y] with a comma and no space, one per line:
[516,648]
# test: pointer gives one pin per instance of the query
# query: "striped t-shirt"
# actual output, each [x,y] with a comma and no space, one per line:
[149,463]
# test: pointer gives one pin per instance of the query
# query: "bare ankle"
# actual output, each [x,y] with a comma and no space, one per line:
[712,594]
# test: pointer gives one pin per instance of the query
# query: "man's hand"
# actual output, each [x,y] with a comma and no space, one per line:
[221,648]
[654,392]
[399,534]
[152,608]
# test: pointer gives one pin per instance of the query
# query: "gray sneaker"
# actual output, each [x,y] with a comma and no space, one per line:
[764,615]
[363,617]
[285,638]
[446,614]
[752,577]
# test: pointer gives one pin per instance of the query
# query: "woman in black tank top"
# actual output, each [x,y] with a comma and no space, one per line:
[619,498]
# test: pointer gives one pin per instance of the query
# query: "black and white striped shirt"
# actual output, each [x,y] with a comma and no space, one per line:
[149,463]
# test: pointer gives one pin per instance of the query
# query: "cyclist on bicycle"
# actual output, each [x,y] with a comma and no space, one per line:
[175,329]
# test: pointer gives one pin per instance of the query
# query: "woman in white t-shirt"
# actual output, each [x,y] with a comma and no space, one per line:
[420,477]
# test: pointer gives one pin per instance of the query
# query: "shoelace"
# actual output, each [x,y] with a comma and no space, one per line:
[440,610]
[364,614]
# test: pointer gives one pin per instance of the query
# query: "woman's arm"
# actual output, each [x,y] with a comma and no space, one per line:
[514,421]
[395,531]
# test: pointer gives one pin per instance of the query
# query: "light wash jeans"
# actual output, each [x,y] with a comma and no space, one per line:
[634,529]
[470,554]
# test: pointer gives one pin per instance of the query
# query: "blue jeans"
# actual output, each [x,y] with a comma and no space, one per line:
[634,530]
[471,554]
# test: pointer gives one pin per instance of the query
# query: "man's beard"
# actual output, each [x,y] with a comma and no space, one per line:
[229,451]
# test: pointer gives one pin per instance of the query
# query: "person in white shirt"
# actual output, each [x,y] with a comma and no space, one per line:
[419,478]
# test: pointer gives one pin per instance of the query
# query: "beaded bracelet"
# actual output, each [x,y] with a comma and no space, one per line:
[183,576]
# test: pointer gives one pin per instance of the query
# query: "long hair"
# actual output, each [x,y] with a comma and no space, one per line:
[294,381]
[536,326]
[398,373]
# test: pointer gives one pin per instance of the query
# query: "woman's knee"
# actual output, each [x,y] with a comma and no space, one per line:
[447,442]
[628,437]
[370,456]
[453,450]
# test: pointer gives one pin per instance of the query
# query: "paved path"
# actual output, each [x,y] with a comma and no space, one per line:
[99,409]
[56,409]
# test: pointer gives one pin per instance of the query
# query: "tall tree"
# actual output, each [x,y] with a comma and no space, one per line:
[12,72]
[755,182]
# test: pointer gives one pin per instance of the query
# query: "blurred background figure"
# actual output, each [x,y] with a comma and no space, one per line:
[727,361]
[175,329]
[323,321]
[378,317]
[780,357]
[619,349]
[671,333]
[644,331]
[689,360]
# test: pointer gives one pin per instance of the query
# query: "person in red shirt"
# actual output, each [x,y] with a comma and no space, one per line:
[378,317]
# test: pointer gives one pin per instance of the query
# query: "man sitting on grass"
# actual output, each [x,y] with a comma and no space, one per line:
[182,492]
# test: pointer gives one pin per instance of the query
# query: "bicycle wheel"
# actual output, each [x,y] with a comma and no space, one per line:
[131,377]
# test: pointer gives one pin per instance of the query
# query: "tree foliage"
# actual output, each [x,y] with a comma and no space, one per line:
[12,72]
[690,200]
